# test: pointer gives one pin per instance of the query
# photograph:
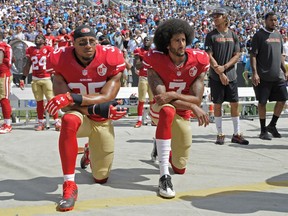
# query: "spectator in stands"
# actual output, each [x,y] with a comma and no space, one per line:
[5,84]
[63,39]
[223,48]
[18,34]
[31,34]
[6,37]
[118,39]
[127,73]
[269,75]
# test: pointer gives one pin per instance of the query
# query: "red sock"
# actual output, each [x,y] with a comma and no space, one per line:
[68,146]
[6,108]
[40,109]
[140,108]
[164,127]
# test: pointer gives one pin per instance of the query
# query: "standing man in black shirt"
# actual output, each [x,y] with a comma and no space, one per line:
[222,46]
[269,74]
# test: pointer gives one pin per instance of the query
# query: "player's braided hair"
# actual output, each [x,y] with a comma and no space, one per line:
[167,29]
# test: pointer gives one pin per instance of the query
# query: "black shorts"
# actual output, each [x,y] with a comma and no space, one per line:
[272,91]
[221,93]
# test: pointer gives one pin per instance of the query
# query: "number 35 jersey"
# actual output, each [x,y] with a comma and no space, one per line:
[107,62]
[38,59]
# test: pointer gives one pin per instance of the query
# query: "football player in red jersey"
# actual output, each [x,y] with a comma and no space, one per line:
[41,80]
[87,78]
[176,77]
[50,39]
[143,86]
[5,84]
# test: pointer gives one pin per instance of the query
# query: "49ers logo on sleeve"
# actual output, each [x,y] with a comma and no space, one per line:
[102,70]
[193,71]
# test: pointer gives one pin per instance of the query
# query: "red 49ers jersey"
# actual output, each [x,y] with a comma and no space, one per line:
[175,78]
[108,62]
[50,40]
[7,60]
[38,58]
[141,52]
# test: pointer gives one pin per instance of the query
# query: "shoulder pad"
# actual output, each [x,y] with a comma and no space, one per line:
[202,57]
[114,56]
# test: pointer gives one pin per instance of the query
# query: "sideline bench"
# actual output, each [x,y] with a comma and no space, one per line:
[20,100]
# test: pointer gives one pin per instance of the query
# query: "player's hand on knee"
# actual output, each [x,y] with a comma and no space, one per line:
[58,102]
[22,84]
[108,110]
[201,115]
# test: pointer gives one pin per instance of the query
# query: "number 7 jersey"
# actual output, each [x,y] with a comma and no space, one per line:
[175,78]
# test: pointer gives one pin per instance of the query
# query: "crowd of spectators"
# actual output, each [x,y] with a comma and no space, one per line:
[126,24]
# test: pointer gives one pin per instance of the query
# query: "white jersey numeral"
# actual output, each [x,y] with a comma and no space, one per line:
[179,86]
[91,87]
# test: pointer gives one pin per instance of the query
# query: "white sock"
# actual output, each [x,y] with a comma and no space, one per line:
[163,149]
[139,118]
[7,121]
[70,177]
[236,125]
[218,123]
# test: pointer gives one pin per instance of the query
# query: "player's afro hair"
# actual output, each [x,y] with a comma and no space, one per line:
[167,29]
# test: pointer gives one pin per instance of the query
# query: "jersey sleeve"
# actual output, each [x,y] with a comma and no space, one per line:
[136,52]
[53,60]
[147,60]
[204,61]
[115,59]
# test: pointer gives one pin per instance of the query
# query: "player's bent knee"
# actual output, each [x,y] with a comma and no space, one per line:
[70,121]
[168,111]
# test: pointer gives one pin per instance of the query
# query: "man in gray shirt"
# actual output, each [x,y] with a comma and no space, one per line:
[269,74]
[222,46]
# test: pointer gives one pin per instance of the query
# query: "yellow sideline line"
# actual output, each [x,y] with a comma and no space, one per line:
[87,205]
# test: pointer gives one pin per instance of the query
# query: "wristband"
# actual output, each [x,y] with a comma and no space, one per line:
[77,98]
[99,109]
[102,109]
[23,77]
[91,109]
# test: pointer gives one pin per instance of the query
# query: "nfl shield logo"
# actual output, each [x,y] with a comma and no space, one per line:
[102,70]
[193,71]
[84,72]
[178,73]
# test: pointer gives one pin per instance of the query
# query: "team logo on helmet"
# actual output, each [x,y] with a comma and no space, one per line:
[84,72]
[102,70]
[44,51]
[85,30]
[193,71]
